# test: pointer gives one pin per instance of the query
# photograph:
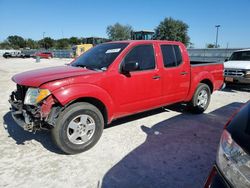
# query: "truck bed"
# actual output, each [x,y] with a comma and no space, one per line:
[215,68]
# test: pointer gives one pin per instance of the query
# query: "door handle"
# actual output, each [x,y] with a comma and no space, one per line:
[156,77]
[183,73]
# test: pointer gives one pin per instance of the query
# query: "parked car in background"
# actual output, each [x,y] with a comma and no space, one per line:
[46,55]
[109,81]
[237,67]
[232,167]
[15,55]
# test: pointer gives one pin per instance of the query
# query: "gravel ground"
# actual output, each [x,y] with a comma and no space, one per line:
[167,147]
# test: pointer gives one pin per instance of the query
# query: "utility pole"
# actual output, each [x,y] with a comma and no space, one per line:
[43,40]
[217,31]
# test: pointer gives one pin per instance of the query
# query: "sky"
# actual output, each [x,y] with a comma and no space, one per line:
[66,18]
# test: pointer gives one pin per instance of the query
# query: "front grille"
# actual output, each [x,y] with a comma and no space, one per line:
[20,93]
[234,72]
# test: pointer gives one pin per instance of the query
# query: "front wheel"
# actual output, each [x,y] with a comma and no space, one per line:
[201,99]
[78,128]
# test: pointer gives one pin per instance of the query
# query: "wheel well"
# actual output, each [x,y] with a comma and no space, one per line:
[209,83]
[96,103]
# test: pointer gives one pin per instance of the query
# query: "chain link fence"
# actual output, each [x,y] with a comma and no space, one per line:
[211,54]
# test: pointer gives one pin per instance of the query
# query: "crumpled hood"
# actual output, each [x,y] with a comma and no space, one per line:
[35,78]
[237,65]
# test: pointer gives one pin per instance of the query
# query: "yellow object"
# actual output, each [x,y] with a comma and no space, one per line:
[43,93]
[81,48]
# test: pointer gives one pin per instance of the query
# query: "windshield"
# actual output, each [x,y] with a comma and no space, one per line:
[242,56]
[100,57]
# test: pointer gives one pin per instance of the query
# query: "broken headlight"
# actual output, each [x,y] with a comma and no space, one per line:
[35,95]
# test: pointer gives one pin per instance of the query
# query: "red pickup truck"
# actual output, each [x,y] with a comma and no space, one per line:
[110,81]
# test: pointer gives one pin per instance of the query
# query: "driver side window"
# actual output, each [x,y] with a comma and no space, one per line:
[143,55]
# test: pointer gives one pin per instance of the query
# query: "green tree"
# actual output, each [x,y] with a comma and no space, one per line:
[46,43]
[5,45]
[170,29]
[16,42]
[74,41]
[210,45]
[31,44]
[62,43]
[119,31]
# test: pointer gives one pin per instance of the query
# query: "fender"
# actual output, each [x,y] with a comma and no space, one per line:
[73,92]
[198,78]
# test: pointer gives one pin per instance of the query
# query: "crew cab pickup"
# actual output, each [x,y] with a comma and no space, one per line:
[110,81]
[237,67]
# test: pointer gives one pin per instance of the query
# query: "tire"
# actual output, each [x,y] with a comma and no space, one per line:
[78,128]
[201,99]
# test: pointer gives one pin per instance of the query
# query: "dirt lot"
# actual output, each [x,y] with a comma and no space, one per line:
[161,148]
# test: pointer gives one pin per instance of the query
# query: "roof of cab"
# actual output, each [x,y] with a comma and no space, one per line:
[145,41]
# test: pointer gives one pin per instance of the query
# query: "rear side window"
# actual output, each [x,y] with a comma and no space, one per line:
[143,55]
[171,55]
[177,55]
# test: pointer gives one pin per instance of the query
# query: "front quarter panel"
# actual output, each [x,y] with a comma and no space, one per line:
[70,93]
[54,85]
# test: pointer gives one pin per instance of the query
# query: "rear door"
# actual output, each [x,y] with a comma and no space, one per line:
[140,89]
[176,73]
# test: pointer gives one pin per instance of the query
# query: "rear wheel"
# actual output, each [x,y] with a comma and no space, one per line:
[78,128]
[201,99]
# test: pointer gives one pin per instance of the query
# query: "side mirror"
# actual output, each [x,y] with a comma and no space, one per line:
[129,66]
[226,59]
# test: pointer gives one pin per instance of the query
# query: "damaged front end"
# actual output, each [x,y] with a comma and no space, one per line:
[33,108]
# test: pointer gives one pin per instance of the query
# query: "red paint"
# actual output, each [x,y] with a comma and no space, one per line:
[46,106]
[36,78]
[209,180]
[123,95]
[45,55]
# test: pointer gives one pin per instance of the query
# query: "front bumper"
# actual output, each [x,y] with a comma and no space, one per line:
[19,114]
[216,179]
[33,117]
[234,79]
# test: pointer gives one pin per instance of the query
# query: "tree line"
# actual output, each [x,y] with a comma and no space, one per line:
[168,29]
[18,42]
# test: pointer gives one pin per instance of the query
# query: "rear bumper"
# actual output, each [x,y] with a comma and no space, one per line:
[216,179]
